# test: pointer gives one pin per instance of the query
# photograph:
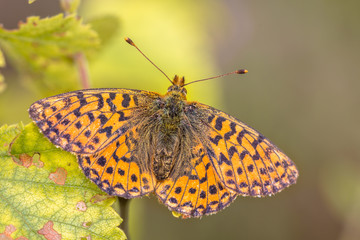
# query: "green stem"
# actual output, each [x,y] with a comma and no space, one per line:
[124,213]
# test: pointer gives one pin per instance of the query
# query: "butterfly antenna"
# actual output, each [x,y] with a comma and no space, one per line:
[129,41]
[240,71]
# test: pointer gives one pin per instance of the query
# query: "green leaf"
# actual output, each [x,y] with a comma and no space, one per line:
[43,49]
[43,191]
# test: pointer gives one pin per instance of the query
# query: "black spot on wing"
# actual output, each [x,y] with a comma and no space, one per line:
[106,130]
[135,100]
[218,123]
[240,136]
[224,159]
[100,101]
[126,100]
[109,170]
[215,140]
[101,161]
[212,189]
[58,116]
[103,119]
[78,125]
[112,95]
[232,131]
[122,116]
[77,112]
[111,105]
[90,116]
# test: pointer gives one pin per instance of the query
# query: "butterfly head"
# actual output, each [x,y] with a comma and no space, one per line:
[177,87]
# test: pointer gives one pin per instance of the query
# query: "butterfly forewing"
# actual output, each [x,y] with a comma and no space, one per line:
[86,121]
[245,160]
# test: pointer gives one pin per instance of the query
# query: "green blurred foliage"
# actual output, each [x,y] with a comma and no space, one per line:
[42,50]
[176,42]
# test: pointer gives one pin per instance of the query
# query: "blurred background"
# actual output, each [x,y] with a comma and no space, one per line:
[302,92]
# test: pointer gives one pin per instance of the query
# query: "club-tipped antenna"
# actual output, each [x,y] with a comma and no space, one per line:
[240,71]
[129,41]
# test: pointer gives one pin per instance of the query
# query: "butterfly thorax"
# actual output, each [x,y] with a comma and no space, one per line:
[171,110]
[172,106]
[172,113]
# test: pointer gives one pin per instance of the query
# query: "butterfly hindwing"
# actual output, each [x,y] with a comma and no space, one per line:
[86,121]
[117,170]
[198,192]
[246,161]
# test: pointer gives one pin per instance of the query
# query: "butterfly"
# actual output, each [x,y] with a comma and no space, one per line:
[194,158]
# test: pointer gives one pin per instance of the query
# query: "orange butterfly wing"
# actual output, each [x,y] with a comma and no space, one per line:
[245,161]
[199,192]
[229,159]
[99,125]
[86,121]
[117,171]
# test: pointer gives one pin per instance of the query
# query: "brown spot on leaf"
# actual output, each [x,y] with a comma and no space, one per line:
[49,232]
[6,235]
[25,159]
[3,236]
[81,206]
[59,176]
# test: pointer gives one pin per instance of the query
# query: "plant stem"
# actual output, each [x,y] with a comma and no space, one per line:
[83,71]
[124,213]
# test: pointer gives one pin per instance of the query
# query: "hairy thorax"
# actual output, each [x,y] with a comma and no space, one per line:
[170,110]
